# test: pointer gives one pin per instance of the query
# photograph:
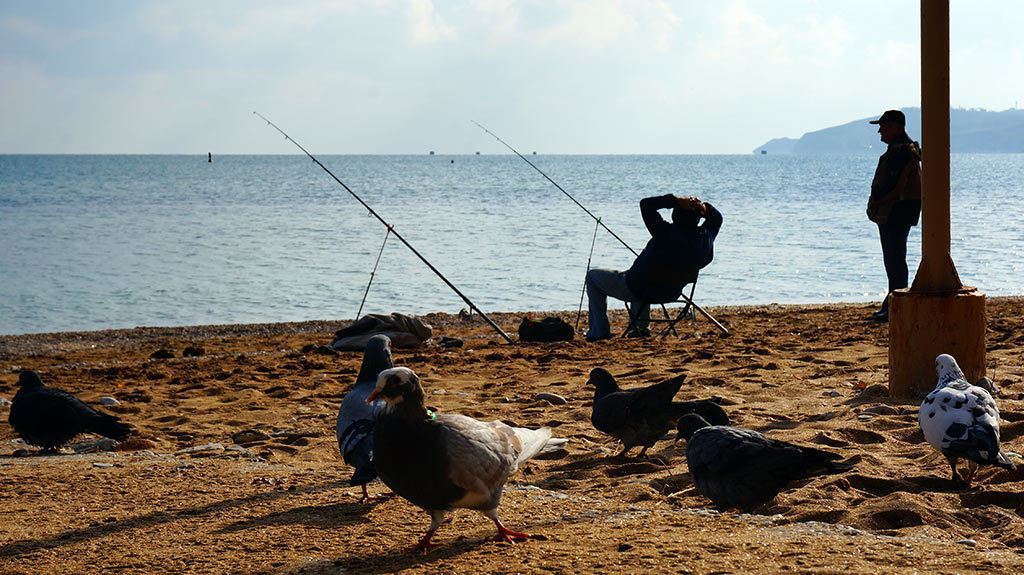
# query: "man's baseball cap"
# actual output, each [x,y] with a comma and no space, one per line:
[894,116]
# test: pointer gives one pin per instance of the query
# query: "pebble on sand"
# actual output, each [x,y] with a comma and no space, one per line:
[201,450]
[136,444]
[875,390]
[552,398]
[107,400]
[249,436]
[4,402]
[91,445]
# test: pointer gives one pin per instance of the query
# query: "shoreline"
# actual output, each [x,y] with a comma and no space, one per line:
[20,344]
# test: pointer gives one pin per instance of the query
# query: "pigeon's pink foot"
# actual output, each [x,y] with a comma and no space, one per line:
[425,545]
[507,535]
[366,498]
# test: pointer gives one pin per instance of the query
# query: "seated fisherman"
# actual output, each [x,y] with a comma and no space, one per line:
[670,260]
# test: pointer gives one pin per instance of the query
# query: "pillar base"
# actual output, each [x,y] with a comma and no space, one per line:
[924,325]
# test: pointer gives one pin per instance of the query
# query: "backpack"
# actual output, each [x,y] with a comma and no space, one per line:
[547,329]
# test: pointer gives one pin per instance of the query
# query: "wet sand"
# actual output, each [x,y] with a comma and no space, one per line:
[280,502]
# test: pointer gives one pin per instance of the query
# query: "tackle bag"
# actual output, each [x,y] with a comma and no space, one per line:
[547,329]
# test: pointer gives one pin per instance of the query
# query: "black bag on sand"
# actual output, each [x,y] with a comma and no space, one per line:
[547,329]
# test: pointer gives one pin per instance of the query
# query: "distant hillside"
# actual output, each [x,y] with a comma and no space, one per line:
[970,131]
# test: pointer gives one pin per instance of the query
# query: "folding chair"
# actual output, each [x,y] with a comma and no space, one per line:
[685,311]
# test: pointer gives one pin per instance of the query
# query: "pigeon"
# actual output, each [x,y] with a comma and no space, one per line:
[961,421]
[643,415]
[440,462]
[356,416]
[742,468]
[49,417]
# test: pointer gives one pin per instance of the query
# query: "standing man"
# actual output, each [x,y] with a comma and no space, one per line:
[895,202]
[671,259]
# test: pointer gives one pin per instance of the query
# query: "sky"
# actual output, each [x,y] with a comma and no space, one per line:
[409,76]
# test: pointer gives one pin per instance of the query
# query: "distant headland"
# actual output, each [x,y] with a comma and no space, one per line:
[970,131]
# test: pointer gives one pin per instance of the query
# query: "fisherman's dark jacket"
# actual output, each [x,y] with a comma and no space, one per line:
[896,189]
[674,254]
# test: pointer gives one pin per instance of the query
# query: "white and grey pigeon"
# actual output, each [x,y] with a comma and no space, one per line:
[356,416]
[961,421]
[440,462]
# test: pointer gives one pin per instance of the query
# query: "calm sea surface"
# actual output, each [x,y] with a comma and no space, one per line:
[96,242]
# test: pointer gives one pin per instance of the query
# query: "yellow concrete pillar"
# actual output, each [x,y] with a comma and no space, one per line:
[930,324]
[937,314]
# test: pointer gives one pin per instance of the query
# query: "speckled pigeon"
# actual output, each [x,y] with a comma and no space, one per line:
[440,462]
[961,421]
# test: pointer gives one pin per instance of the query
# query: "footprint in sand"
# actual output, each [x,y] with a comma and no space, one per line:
[638,468]
[861,436]
[823,439]
[896,519]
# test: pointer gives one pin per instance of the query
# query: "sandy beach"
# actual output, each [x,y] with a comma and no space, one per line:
[277,499]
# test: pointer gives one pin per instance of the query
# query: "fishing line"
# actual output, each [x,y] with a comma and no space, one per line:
[374,272]
[614,235]
[391,229]
[593,242]
[560,188]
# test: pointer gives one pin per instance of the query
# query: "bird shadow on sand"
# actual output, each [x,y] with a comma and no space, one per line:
[320,516]
[391,560]
[613,466]
[394,561]
[27,546]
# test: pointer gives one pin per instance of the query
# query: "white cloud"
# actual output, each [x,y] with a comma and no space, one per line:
[573,76]
[428,27]
[229,22]
[598,26]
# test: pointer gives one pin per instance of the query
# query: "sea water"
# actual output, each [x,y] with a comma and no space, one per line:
[97,242]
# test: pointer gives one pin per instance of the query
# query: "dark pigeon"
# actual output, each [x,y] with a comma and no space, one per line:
[741,468]
[643,415]
[441,462]
[961,421]
[49,417]
[356,416]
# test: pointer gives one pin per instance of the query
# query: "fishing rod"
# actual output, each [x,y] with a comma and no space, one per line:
[599,222]
[560,188]
[391,228]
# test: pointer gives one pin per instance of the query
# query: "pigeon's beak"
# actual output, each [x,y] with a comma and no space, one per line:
[373,395]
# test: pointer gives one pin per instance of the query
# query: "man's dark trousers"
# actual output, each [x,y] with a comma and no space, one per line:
[894,255]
